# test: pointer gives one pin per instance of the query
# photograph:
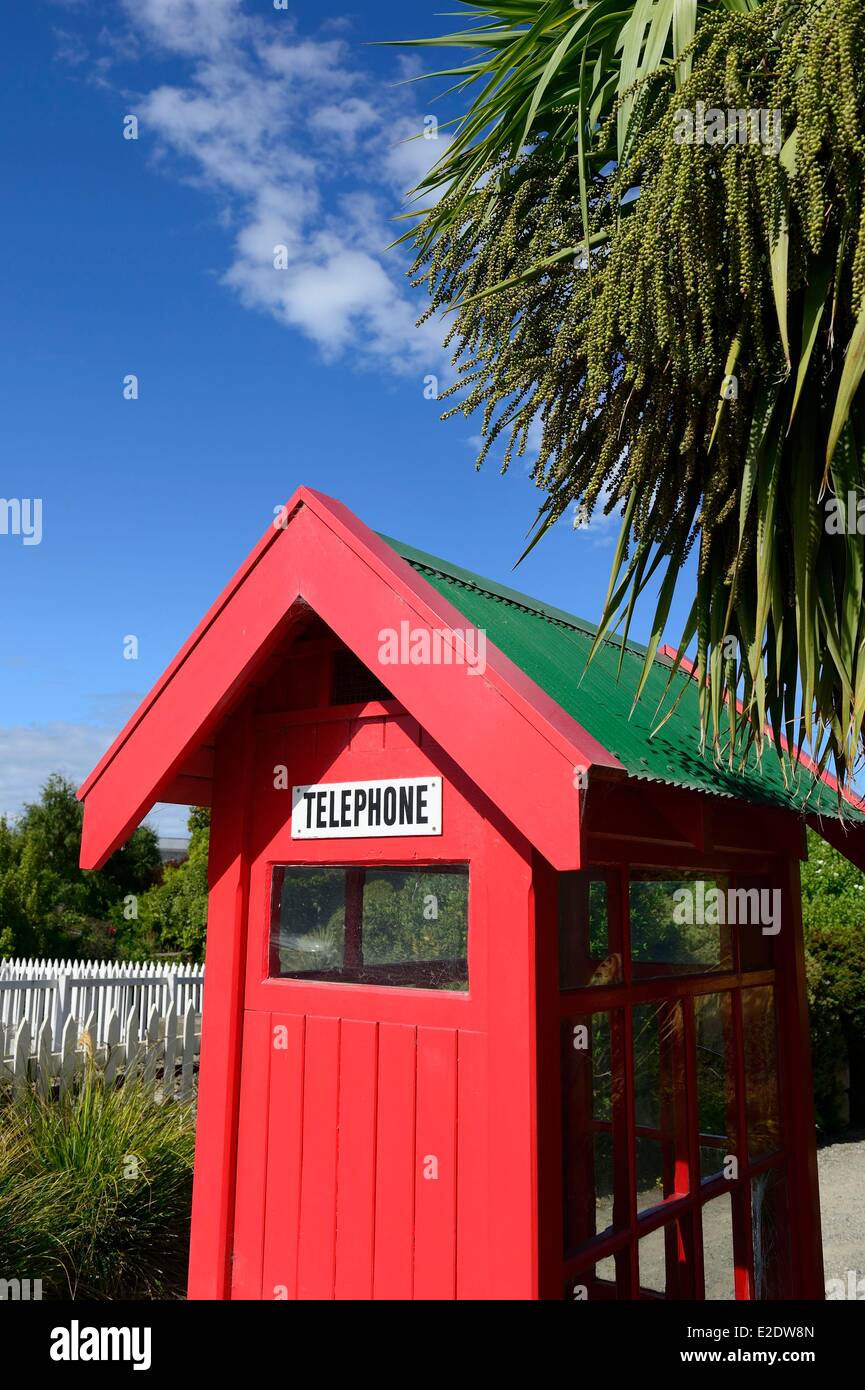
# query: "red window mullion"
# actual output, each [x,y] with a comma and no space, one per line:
[353,947]
[625,1152]
[743,1250]
[693,1230]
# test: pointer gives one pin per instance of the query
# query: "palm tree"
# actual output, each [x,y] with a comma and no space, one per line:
[649,227]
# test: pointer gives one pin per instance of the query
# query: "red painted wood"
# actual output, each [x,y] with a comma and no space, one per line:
[395,1162]
[252,1158]
[473,1162]
[317,1235]
[356,1179]
[797,1090]
[435,1165]
[219,1073]
[359,586]
[285,1154]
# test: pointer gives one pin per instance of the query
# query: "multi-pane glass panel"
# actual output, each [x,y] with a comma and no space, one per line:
[371,926]
[671,1099]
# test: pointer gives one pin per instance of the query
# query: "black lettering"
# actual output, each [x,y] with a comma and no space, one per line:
[389,805]
[406,805]
[309,797]
[374,805]
[344,813]
[359,804]
[320,805]
[332,812]
[421,812]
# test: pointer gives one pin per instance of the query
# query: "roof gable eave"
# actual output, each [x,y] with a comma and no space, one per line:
[518,746]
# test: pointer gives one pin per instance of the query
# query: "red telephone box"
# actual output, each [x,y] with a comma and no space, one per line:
[504,997]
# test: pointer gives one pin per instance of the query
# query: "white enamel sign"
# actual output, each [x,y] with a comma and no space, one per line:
[353,810]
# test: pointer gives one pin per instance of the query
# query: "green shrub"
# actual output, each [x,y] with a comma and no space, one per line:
[95,1192]
[833,911]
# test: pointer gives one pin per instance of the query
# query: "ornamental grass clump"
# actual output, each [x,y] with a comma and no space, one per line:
[95,1192]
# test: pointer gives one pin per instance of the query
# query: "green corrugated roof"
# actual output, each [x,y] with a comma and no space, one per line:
[552,646]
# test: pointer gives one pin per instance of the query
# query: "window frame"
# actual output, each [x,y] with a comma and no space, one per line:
[360,867]
[680,1213]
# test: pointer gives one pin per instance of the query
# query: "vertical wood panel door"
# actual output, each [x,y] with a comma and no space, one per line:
[388,1039]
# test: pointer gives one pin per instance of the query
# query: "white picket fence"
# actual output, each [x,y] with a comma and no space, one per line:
[37,991]
[132,1018]
[163,1054]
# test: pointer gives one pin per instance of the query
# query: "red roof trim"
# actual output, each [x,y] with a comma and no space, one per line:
[503,709]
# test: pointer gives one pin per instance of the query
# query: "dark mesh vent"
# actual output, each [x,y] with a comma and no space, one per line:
[352,683]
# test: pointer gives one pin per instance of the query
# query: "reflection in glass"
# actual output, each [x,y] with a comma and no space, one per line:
[586,956]
[678,926]
[771,1235]
[372,926]
[659,1100]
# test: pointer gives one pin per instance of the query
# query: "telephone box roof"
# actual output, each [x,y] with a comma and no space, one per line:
[537,704]
[552,647]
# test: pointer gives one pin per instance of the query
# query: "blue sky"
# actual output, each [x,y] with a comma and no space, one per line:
[153,257]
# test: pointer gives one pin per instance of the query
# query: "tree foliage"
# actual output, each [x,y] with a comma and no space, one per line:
[680,318]
[48,905]
[171,918]
[833,910]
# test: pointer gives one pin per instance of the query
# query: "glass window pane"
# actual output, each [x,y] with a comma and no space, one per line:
[588,1088]
[598,1282]
[653,1261]
[650,1173]
[756,939]
[371,926]
[666,1260]
[659,1101]
[719,1263]
[587,953]
[678,925]
[771,1235]
[761,1071]
[712,1028]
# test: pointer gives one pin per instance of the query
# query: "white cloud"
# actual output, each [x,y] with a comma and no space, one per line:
[29,753]
[193,27]
[299,147]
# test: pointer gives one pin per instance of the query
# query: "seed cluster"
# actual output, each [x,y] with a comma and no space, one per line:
[655,366]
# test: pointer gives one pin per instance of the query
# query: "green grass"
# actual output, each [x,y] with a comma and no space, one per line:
[95,1192]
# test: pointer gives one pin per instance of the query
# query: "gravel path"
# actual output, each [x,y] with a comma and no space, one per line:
[842,1206]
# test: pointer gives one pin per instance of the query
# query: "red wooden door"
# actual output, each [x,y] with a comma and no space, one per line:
[370,1103]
